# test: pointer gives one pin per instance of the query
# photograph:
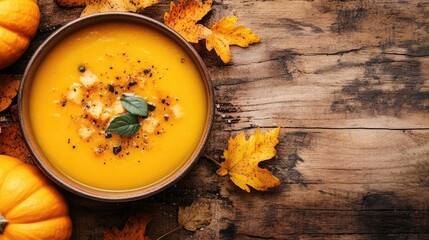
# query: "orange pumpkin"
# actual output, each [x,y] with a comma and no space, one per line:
[19,20]
[30,207]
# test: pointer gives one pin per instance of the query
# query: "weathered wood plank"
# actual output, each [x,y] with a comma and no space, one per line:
[348,82]
[352,66]
[372,181]
[373,186]
[332,27]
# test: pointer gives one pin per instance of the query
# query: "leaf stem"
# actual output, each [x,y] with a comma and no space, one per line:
[212,159]
[177,228]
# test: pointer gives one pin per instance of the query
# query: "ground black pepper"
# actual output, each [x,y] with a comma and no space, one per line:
[117,149]
[111,88]
[151,107]
[81,68]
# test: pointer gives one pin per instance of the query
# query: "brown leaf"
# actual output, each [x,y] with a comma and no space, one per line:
[242,158]
[134,229]
[71,3]
[196,216]
[8,89]
[11,141]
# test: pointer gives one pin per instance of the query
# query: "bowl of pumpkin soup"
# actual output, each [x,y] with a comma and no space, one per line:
[115,106]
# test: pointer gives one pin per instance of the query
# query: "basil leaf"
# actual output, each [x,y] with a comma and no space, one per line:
[135,105]
[125,125]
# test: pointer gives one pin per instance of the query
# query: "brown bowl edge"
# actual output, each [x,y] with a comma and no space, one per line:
[64,181]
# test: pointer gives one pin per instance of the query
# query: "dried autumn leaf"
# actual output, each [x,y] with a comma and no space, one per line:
[97,6]
[8,89]
[71,3]
[242,158]
[11,140]
[224,33]
[183,18]
[196,216]
[134,228]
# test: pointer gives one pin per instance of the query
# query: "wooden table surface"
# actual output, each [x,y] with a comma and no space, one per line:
[348,84]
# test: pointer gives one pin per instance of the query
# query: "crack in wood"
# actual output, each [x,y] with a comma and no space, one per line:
[257,236]
[310,128]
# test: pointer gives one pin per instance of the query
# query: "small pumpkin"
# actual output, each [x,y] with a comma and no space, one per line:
[19,20]
[30,207]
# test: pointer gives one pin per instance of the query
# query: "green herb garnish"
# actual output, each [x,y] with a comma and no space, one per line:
[128,124]
[135,105]
[125,125]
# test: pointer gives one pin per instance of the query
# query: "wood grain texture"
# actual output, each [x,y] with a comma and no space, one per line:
[347,82]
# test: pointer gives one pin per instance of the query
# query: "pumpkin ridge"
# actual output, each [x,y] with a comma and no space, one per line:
[14,47]
[18,8]
[12,30]
[19,33]
[60,229]
[27,194]
[33,206]
[2,182]
[19,22]
[3,27]
[52,215]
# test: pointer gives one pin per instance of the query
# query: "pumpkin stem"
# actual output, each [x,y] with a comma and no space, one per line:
[3,223]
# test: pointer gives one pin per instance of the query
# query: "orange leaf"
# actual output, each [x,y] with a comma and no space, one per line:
[135,228]
[242,158]
[97,6]
[8,89]
[184,16]
[225,33]
[11,141]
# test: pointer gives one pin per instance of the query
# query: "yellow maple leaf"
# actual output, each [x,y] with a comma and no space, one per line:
[242,158]
[97,6]
[224,33]
[183,18]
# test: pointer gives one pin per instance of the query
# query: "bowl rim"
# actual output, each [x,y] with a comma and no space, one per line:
[72,185]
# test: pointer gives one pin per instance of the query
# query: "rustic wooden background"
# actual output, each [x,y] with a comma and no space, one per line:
[347,82]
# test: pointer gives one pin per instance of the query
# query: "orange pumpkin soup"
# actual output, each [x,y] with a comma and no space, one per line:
[79,90]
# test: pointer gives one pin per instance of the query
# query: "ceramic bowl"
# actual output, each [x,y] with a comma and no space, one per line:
[37,153]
